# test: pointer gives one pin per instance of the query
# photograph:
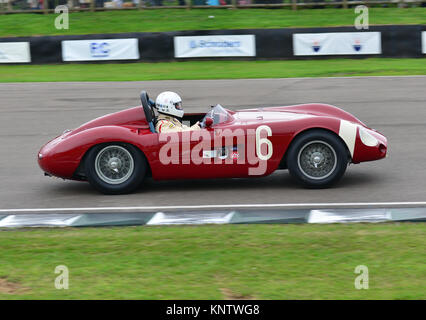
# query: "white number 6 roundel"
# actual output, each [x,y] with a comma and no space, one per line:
[260,141]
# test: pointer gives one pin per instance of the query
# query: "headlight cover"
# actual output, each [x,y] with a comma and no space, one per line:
[367,138]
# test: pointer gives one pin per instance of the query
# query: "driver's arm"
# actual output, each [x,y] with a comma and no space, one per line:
[195,126]
[167,126]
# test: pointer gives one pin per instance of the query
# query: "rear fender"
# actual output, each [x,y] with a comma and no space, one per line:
[63,155]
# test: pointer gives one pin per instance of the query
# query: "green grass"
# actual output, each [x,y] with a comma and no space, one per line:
[198,19]
[216,262]
[212,70]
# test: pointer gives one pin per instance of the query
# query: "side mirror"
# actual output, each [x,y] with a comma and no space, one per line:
[208,122]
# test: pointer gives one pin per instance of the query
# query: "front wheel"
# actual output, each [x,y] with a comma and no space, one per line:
[317,159]
[115,168]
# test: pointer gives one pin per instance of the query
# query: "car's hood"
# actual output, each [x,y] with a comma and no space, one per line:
[286,113]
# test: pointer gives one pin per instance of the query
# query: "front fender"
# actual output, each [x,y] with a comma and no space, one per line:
[359,148]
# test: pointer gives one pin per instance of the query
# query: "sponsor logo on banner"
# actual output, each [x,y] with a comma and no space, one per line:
[357,45]
[316,46]
[15,52]
[100,49]
[338,43]
[424,42]
[215,46]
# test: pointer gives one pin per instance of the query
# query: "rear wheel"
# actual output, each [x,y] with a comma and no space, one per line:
[317,159]
[115,168]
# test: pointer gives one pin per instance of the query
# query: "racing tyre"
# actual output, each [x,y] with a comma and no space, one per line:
[115,168]
[317,159]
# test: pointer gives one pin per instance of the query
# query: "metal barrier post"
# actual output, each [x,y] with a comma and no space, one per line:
[9,5]
[92,5]
[345,4]
[294,4]
[234,4]
[188,4]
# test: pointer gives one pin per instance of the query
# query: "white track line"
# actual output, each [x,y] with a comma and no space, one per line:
[225,206]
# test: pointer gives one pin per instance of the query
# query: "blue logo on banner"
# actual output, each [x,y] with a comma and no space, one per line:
[357,46]
[99,49]
[316,47]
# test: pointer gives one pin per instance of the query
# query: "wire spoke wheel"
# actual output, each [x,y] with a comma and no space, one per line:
[317,159]
[114,164]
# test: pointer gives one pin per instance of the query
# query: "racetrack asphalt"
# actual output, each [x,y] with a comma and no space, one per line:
[33,113]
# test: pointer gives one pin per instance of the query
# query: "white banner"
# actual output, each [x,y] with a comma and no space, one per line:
[424,42]
[100,49]
[312,44]
[15,52]
[215,46]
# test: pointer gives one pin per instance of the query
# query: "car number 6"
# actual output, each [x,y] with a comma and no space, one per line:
[260,141]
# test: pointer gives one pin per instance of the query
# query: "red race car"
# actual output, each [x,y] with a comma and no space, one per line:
[315,142]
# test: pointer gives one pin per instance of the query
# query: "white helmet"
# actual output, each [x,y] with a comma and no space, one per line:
[170,103]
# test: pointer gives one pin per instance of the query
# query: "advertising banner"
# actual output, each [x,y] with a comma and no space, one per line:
[15,52]
[215,46]
[337,43]
[424,42]
[100,49]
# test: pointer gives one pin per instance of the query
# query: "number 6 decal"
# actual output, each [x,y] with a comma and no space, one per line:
[260,141]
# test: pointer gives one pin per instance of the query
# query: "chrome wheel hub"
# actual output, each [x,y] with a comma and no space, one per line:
[114,164]
[317,160]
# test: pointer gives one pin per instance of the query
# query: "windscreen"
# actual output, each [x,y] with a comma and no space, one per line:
[218,114]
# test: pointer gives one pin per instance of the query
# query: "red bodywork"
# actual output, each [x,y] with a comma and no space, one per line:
[63,155]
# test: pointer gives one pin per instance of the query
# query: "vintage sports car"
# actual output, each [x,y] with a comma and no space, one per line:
[315,142]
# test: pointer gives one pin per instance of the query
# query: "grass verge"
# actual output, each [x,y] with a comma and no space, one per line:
[216,262]
[198,19]
[212,70]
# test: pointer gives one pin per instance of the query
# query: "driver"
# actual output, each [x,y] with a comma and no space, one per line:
[169,105]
